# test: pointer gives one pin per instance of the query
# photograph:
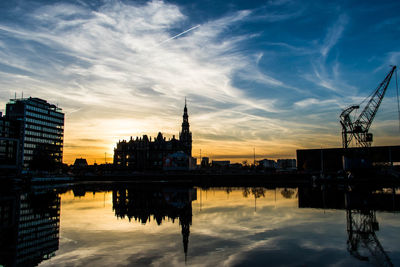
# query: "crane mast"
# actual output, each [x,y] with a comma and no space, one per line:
[359,128]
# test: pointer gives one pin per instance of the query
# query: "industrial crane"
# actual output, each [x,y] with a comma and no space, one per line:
[359,128]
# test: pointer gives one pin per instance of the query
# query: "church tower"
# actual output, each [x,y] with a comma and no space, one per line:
[185,136]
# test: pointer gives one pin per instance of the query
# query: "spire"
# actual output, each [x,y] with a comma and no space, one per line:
[185,135]
[185,108]
[185,123]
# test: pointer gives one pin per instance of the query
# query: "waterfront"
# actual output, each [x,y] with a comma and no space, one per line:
[111,224]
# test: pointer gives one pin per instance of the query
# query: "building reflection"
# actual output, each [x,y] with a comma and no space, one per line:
[141,204]
[29,221]
[361,205]
[29,227]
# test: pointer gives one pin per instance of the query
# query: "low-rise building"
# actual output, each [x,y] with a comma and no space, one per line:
[220,163]
[80,163]
[286,164]
[179,161]
[267,164]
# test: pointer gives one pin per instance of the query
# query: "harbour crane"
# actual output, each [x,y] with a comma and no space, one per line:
[358,129]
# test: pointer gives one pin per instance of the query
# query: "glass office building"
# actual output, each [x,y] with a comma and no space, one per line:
[42,130]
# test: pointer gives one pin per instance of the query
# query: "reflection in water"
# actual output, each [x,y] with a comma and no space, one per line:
[361,205]
[29,227]
[29,221]
[257,192]
[142,203]
[288,193]
[361,227]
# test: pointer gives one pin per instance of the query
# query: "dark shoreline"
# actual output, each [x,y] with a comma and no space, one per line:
[212,179]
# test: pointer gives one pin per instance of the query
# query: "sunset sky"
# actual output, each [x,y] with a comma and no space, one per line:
[270,75]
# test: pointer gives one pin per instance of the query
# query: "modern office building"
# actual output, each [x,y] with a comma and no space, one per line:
[42,128]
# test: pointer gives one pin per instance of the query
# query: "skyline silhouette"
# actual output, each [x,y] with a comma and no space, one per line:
[272,75]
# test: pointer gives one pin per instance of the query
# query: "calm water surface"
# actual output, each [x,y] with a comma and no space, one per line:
[120,225]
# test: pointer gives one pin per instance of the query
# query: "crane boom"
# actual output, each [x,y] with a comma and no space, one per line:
[359,129]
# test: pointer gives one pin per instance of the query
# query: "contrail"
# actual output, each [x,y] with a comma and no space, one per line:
[173,37]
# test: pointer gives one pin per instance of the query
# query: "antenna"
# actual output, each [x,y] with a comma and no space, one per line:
[254,156]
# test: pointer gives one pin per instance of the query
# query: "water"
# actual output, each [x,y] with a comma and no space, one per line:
[139,225]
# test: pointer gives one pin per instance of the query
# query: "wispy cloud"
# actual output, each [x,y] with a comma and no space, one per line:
[296,49]
[326,74]
[110,63]
[126,68]
[314,102]
[333,35]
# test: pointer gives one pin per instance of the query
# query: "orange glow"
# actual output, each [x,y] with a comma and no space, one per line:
[96,141]
[235,151]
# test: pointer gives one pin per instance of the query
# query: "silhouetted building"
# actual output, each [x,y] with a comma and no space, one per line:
[41,141]
[286,164]
[145,154]
[236,166]
[179,161]
[267,164]
[10,133]
[205,162]
[185,136]
[80,163]
[331,159]
[29,227]
[220,163]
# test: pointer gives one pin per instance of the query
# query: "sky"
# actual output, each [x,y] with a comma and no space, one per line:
[270,76]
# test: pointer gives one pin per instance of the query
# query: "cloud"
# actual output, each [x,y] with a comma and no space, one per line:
[333,35]
[255,75]
[392,22]
[109,61]
[393,57]
[297,50]
[120,69]
[281,10]
[326,73]
[309,102]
